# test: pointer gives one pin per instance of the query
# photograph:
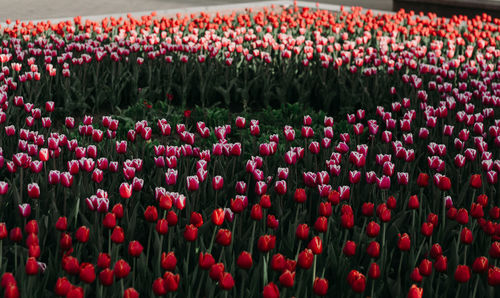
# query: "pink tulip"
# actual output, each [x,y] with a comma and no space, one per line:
[24,210]
[260,188]
[280,187]
[4,188]
[33,190]
[384,182]
[193,183]
[217,182]
[171,177]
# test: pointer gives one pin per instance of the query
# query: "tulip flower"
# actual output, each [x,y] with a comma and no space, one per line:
[462,273]
[415,292]
[192,183]
[357,281]
[244,260]
[271,291]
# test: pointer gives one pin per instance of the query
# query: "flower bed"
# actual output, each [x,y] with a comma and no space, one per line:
[145,156]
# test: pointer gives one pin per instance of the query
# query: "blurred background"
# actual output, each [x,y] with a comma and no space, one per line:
[50,9]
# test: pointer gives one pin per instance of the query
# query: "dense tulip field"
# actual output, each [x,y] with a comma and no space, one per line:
[274,153]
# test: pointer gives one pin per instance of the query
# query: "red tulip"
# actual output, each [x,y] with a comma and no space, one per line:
[413,202]
[272,222]
[475,181]
[320,286]
[466,236]
[31,227]
[162,226]
[76,292]
[70,265]
[159,287]
[125,190]
[256,212]
[82,234]
[462,216]
[415,292]
[65,241]
[480,264]
[244,260]
[271,291]
[109,220]
[226,281]
[347,220]
[427,229]
[349,249]
[87,273]
[130,293]
[172,281]
[425,267]
[103,260]
[118,236]
[62,287]
[266,243]
[357,281]
[31,266]
[444,183]
[374,271]
[316,245]
[216,271]
[135,248]
[151,214]
[415,275]
[305,259]
[121,269]
[287,279]
[372,229]
[423,180]
[278,262]
[223,237]
[373,249]
[106,277]
[300,195]
[495,250]
[494,276]
[206,261]
[441,263]
[191,233]
[462,273]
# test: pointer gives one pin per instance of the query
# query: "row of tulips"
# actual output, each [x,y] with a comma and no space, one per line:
[389,197]
[250,60]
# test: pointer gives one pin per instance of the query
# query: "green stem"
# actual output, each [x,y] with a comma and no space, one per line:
[253,235]
[158,260]
[232,235]
[149,242]
[314,268]
[475,286]
[199,285]
[383,244]
[133,272]
[298,251]
[457,294]
[212,240]
[264,268]
[300,283]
